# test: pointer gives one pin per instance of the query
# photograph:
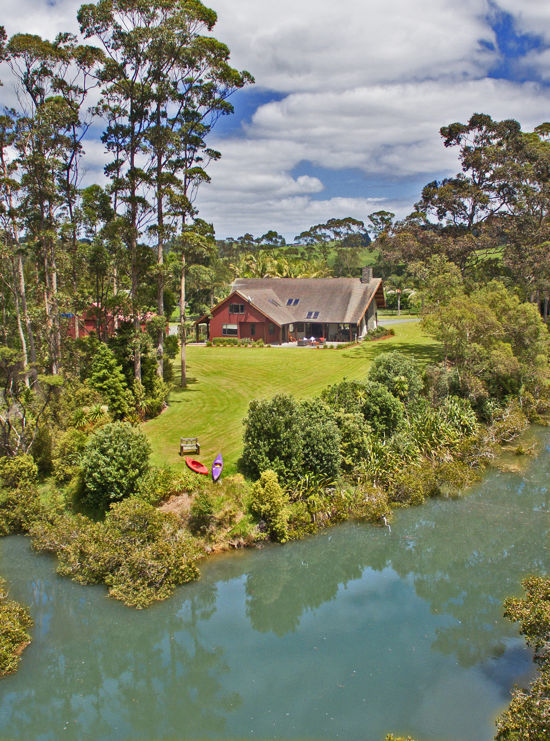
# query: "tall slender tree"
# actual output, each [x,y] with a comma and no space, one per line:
[52,85]
[164,84]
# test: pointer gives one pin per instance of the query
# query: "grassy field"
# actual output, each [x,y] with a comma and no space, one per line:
[223,380]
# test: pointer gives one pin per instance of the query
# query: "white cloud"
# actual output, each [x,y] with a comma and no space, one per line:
[390,131]
[39,17]
[290,216]
[313,45]
[368,84]
[530,16]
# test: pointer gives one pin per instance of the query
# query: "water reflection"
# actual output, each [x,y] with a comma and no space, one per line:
[463,558]
[348,634]
[96,665]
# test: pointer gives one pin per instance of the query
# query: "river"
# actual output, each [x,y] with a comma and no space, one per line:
[349,634]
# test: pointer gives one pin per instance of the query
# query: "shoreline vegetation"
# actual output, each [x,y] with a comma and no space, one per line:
[16,624]
[359,449]
[396,436]
[89,467]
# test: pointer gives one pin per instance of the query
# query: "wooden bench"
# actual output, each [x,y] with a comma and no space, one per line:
[189,445]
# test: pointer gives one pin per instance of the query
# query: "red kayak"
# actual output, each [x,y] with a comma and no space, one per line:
[196,466]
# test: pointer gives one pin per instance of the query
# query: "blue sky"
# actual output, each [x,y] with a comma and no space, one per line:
[349,98]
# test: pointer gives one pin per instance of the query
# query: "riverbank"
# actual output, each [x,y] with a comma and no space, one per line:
[351,634]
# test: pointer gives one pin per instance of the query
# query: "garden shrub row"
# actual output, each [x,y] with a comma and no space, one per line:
[235,342]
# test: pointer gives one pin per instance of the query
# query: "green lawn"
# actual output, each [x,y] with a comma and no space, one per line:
[223,380]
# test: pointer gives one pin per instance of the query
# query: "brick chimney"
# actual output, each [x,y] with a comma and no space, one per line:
[366,275]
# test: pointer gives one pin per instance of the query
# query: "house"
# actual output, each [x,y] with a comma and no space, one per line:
[278,310]
[86,323]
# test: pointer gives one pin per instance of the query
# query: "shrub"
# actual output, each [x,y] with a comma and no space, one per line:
[346,396]
[453,476]
[460,415]
[19,470]
[151,553]
[225,341]
[376,334]
[508,423]
[413,485]
[398,373]
[300,521]
[528,715]
[383,411]
[268,502]
[201,514]
[41,449]
[167,371]
[371,504]
[107,378]
[140,553]
[432,431]
[159,484]
[273,437]
[15,623]
[150,402]
[67,453]
[354,439]
[114,461]
[320,439]
[171,346]
[18,509]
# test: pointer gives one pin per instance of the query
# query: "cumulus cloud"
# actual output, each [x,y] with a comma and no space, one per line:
[314,45]
[530,16]
[290,216]
[41,17]
[367,85]
[389,131]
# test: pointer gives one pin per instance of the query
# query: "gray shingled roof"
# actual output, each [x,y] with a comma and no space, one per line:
[338,300]
[268,303]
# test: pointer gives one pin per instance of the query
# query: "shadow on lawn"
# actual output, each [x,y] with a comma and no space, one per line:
[424,354]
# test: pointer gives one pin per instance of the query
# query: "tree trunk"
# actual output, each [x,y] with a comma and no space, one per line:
[133,249]
[182,324]
[23,299]
[48,313]
[115,289]
[21,337]
[160,263]
[21,291]
[55,315]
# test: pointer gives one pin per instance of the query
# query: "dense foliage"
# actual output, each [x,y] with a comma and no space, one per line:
[15,624]
[140,553]
[113,463]
[528,716]
[273,437]
[398,373]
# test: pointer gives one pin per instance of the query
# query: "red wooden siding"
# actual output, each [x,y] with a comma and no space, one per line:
[244,322]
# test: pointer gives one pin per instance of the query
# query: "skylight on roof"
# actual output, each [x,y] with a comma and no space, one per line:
[292,302]
[312,315]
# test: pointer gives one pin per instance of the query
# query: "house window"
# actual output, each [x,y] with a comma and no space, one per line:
[230,330]
[252,330]
[312,315]
[236,308]
[299,327]
[271,329]
[293,302]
